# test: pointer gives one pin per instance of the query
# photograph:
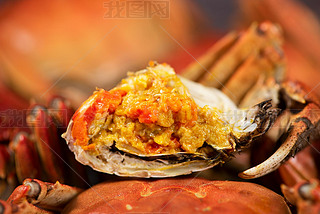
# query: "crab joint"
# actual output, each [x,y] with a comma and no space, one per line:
[35,196]
[301,130]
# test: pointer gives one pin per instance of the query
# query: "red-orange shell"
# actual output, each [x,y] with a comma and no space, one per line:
[188,195]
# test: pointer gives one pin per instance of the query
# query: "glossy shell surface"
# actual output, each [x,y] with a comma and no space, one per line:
[184,195]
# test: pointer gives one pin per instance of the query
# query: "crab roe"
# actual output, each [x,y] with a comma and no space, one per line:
[150,112]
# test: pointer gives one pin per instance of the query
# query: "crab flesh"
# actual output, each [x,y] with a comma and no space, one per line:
[155,124]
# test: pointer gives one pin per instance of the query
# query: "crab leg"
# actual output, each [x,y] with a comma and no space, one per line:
[249,44]
[35,196]
[11,113]
[263,65]
[26,159]
[61,112]
[305,38]
[7,174]
[195,71]
[273,162]
[304,128]
[252,54]
[47,142]
[261,68]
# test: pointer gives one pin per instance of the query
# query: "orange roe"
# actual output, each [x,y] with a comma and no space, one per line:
[147,110]
[105,101]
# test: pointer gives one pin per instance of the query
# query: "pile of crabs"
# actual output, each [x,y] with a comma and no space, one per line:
[279,118]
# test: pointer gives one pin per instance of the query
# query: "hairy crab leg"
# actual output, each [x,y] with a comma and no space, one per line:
[61,112]
[269,62]
[195,71]
[239,63]
[273,162]
[256,38]
[26,158]
[304,128]
[306,38]
[35,196]
[47,143]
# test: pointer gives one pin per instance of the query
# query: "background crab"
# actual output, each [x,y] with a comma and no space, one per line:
[31,146]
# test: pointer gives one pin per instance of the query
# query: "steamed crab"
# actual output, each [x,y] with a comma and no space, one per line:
[155,124]
[248,67]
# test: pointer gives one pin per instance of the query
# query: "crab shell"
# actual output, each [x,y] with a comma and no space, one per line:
[124,165]
[109,159]
[186,195]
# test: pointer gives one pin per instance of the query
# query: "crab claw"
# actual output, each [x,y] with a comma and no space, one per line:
[304,129]
[35,196]
[305,195]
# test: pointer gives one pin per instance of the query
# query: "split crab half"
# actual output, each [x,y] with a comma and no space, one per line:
[157,124]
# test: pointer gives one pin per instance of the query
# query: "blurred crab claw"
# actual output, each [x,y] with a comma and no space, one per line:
[47,142]
[35,196]
[5,207]
[26,158]
[60,111]
[305,195]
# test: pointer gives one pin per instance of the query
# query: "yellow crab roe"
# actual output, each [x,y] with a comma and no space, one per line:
[158,116]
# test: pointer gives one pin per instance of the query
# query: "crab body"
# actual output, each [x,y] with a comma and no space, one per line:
[155,124]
